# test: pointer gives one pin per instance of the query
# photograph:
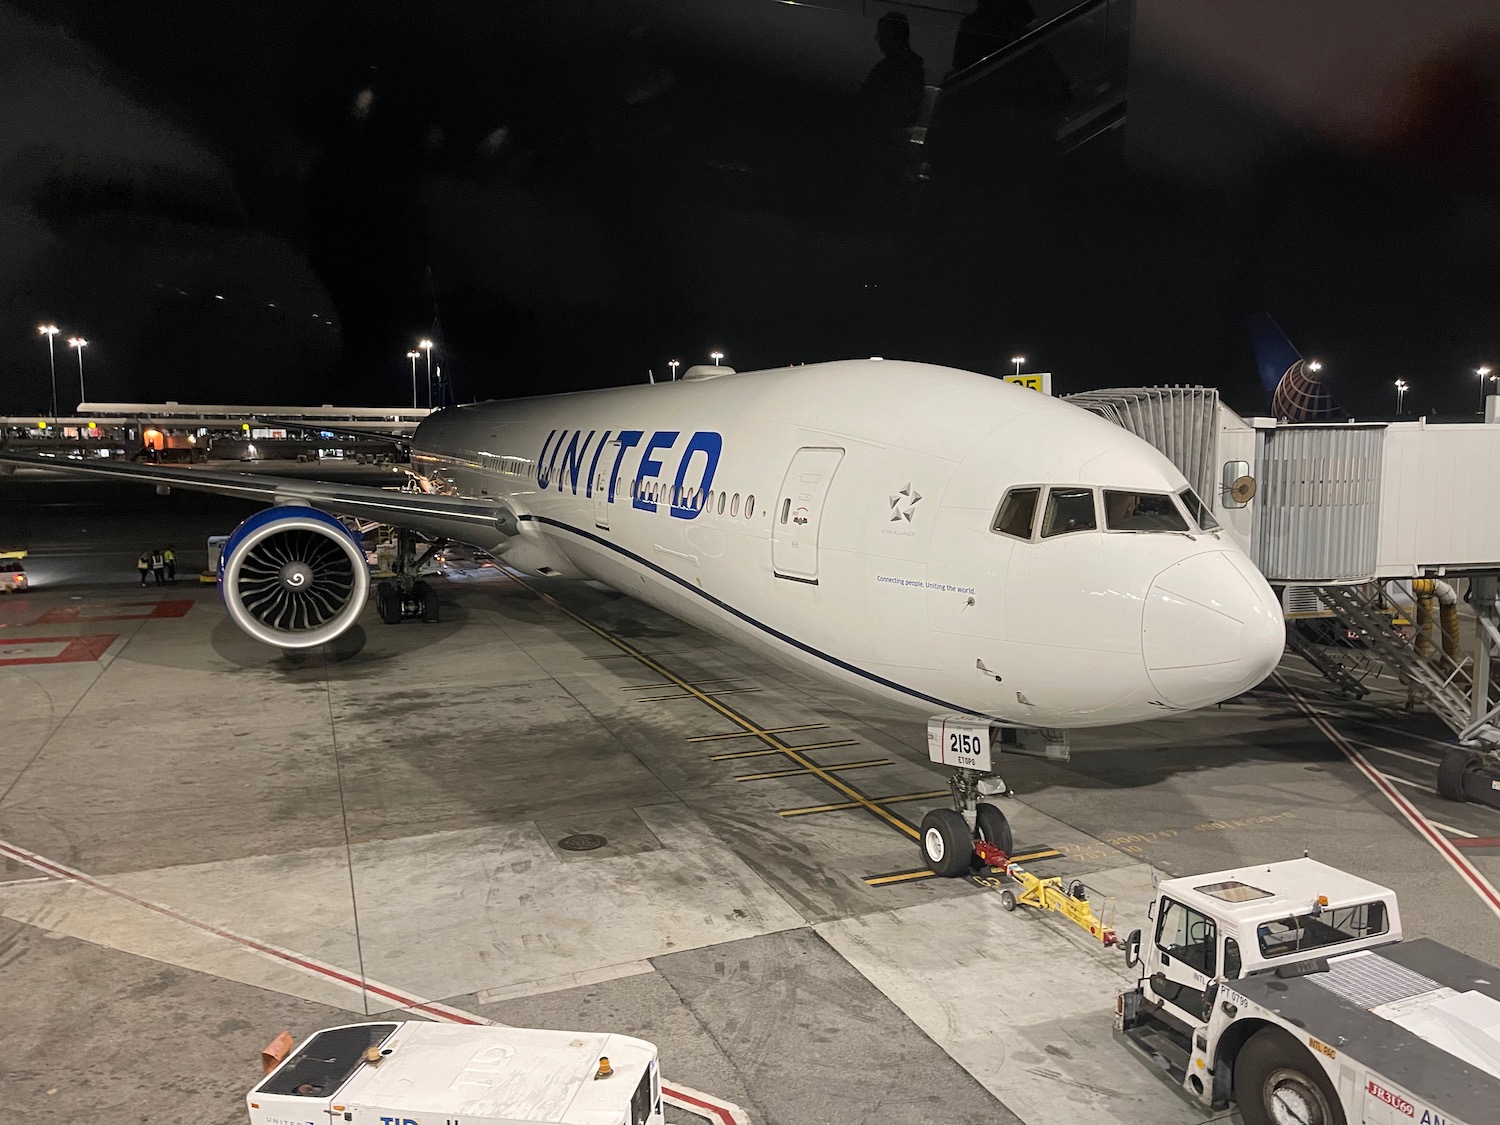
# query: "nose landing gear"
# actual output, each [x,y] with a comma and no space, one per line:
[954,841]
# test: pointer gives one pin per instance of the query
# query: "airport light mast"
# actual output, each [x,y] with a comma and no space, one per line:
[716,357]
[1401,386]
[49,331]
[1018,360]
[1484,373]
[426,345]
[414,355]
[674,364]
[80,343]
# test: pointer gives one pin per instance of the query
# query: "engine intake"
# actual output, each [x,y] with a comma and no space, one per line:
[293,576]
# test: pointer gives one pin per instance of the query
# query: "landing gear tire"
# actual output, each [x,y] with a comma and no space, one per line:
[428,598]
[992,826]
[1276,1080]
[946,843]
[388,603]
[1450,776]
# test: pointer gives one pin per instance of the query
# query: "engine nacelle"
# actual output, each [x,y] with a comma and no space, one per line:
[293,576]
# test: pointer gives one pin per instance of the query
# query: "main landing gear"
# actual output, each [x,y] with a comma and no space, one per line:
[406,597]
[955,841]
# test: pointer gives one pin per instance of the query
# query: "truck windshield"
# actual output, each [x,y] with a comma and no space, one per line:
[326,1061]
[1303,932]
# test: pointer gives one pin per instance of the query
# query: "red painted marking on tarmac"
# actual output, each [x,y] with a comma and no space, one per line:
[116,611]
[1477,842]
[693,1101]
[15,651]
[1429,831]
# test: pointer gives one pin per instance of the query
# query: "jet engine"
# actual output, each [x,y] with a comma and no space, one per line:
[293,576]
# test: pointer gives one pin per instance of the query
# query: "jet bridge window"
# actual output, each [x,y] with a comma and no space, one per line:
[1141,511]
[1328,927]
[1068,510]
[1198,510]
[1017,514]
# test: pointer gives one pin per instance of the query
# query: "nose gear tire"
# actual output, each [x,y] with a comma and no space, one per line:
[947,845]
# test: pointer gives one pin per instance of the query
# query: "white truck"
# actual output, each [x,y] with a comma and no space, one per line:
[417,1073]
[1287,988]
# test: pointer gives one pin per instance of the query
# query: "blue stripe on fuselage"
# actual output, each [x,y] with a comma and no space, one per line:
[761,625]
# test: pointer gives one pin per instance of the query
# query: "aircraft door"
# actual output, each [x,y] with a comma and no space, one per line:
[799,512]
[602,482]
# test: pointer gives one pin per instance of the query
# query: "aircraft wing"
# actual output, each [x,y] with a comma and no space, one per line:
[471,521]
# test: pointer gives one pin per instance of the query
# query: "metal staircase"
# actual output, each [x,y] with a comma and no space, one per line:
[1334,670]
[1446,684]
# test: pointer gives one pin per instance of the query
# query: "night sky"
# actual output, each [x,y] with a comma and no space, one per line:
[264,203]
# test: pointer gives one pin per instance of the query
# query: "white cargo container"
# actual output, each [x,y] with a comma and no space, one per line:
[441,1074]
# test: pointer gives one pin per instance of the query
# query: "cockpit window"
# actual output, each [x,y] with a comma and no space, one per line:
[1141,511]
[1017,513]
[1198,510]
[1069,509]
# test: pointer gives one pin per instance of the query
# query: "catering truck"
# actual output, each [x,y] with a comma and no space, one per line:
[1287,988]
[417,1073]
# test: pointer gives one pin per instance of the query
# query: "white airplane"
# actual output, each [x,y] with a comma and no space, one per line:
[940,539]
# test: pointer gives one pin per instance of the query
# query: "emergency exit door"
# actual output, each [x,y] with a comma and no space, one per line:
[799,512]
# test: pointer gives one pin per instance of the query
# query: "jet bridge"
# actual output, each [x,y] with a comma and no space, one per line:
[1335,514]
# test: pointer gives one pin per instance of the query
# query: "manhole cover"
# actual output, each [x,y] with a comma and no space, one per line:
[581,842]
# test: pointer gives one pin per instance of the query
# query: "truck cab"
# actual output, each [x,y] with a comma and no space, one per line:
[414,1073]
[1208,929]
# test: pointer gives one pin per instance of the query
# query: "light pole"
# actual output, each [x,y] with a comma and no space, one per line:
[1018,360]
[1401,386]
[673,364]
[414,355]
[49,331]
[1483,373]
[1315,367]
[80,343]
[426,345]
[716,356]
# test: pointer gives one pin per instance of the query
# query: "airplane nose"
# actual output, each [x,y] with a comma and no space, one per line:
[1212,629]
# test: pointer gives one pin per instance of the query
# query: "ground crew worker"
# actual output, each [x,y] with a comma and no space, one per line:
[170,558]
[158,567]
[143,564]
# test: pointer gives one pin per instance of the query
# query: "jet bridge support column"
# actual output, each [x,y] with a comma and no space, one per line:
[1473,772]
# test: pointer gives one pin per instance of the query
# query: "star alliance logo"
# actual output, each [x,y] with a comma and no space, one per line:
[903,502]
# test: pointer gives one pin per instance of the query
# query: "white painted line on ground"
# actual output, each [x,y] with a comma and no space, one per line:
[1397,753]
[569,980]
[1426,828]
[1454,831]
[1399,780]
[704,1105]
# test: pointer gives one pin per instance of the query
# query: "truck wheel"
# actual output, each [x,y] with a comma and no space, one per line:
[946,843]
[993,826]
[1450,776]
[1276,1082]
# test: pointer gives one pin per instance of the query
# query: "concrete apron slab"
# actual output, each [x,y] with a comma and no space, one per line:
[1024,1002]
[440,915]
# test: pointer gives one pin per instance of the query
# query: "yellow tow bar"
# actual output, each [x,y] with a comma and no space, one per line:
[1044,894]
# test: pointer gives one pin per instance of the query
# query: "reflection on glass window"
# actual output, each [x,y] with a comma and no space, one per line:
[1017,512]
[1198,510]
[1141,511]
[1316,930]
[1069,509]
